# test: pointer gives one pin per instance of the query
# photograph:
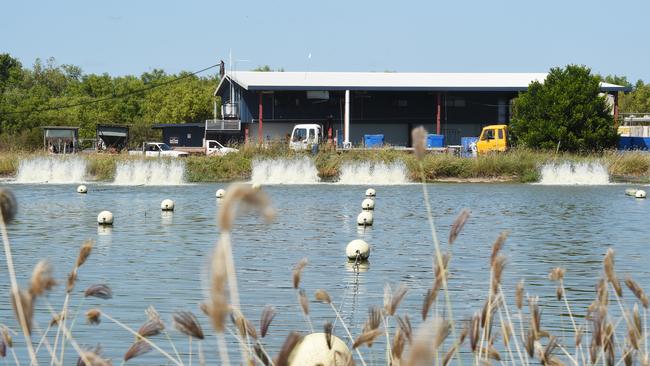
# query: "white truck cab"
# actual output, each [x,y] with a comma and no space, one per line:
[213,147]
[158,149]
[304,136]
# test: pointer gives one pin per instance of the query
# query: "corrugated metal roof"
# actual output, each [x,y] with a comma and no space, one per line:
[255,80]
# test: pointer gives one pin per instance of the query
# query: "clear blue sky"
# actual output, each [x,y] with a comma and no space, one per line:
[134,36]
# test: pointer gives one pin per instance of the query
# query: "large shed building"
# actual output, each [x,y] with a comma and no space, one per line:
[351,104]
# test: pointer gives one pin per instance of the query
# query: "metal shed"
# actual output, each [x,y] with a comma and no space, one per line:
[60,139]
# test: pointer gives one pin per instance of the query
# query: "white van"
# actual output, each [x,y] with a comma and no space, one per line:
[304,136]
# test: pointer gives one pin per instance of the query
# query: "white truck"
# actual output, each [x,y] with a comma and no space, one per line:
[213,147]
[158,149]
[304,136]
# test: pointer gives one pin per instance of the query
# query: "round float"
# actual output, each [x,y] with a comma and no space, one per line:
[220,193]
[368,204]
[364,219]
[370,192]
[82,189]
[105,218]
[167,205]
[357,247]
[314,350]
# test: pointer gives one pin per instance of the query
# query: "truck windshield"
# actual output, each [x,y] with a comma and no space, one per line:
[164,147]
[488,135]
[299,134]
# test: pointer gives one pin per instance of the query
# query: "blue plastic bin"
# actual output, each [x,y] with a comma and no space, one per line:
[373,140]
[435,140]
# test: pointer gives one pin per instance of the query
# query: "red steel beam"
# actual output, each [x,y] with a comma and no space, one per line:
[260,130]
[438,114]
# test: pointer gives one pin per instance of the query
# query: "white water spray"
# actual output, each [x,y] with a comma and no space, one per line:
[574,174]
[282,171]
[373,173]
[55,170]
[159,172]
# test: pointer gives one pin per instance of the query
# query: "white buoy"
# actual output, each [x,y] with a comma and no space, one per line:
[105,218]
[167,205]
[640,194]
[364,218]
[368,204]
[357,247]
[256,186]
[82,189]
[370,192]
[313,350]
[220,193]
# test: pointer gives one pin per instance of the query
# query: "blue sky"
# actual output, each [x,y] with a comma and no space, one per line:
[131,37]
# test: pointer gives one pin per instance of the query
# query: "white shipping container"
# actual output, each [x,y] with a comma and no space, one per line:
[646,131]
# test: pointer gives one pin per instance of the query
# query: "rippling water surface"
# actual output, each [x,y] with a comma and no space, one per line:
[153,258]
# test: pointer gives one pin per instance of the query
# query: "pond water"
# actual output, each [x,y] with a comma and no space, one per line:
[161,259]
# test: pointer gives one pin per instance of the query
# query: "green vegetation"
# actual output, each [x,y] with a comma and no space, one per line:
[517,165]
[564,113]
[31,98]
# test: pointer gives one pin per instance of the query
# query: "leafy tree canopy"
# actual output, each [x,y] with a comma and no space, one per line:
[565,112]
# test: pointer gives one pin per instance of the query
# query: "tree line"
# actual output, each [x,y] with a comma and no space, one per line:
[34,97]
[564,113]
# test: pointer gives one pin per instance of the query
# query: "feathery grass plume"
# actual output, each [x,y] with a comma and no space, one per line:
[3,348]
[57,318]
[556,274]
[187,323]
[151,327]
[458,225]
[429,299]
[72,279]
[498,245]
[535,316]
[419,138]
[578,336]
[602,295]
[8,205]
[634,327]
[244,327]
[219,307]
[637,291]
[374,319]
[6,337]
[441,272]
[474,331]
[304,302]
[322,296]
[449,355]
[397,348]
[152,313]
[498,265]
[609,344]
[292,340]
[266,318]
[426,341]
[367,337]
[327,329]
[26,300]
[42,280]
[205,308]
[243,194]
[547,354]
[101,291]
[261,354]
[93,316]
[92,357]
[610,273]
[519,294]
[559,292]
[138,349]
[529,343]
[506,333]
[297,272]
[628,360]
[393,299]
[406,327]
[84,253]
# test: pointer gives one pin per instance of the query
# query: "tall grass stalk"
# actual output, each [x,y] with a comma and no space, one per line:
[15,292]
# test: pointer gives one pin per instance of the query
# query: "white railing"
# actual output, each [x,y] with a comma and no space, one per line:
[222,125]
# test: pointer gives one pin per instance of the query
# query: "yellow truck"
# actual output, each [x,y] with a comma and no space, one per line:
[493,138]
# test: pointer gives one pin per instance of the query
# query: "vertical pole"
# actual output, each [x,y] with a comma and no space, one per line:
[616,110]
[260,130]
[346,119]
[438,114]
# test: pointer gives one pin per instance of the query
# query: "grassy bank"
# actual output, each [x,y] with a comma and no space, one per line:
[513,166]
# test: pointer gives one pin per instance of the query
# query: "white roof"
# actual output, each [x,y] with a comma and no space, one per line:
[255,80]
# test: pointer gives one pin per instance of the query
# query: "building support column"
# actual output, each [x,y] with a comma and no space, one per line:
[438,114]
[346,120]
[260,129]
